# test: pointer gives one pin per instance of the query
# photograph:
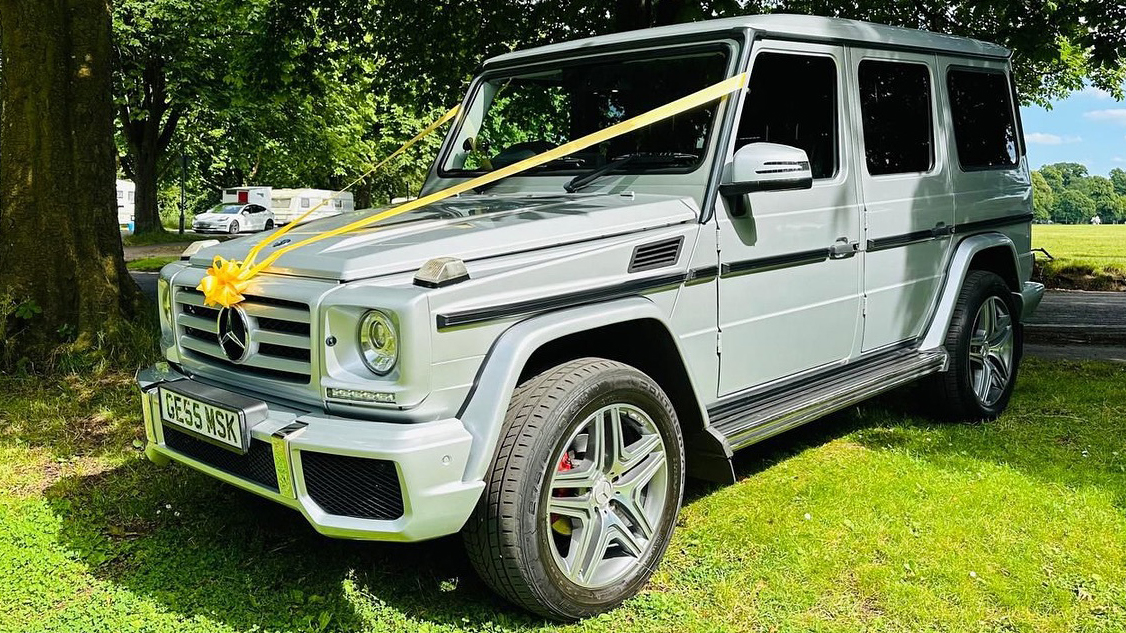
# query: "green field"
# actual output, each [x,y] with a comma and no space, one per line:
[1101,245]
[1086,257]
[876,519]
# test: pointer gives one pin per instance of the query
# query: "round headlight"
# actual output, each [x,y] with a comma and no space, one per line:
[379,342]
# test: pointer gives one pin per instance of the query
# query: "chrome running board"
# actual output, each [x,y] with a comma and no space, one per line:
[751,418]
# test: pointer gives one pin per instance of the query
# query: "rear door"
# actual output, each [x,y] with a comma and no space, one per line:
[905,189]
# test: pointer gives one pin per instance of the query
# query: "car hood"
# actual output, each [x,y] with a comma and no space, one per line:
[213,217]
[469,227]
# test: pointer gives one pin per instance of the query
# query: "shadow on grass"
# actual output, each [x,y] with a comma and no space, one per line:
[203,549]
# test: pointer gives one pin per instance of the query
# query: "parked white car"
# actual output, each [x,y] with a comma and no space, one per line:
[234,218]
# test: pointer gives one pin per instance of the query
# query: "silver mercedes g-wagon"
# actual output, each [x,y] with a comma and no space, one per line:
[539,363]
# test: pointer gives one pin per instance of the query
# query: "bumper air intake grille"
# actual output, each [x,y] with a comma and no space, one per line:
[353,486]
[257,466]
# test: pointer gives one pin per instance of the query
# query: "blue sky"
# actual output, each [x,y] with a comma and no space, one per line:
[1089,127]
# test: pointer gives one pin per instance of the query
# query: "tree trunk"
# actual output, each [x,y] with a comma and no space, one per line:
[147,137]
[146,212]
[62,275]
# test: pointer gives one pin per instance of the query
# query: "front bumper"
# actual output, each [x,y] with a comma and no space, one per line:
[428,458]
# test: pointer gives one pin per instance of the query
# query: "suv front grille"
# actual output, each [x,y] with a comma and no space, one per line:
[256,466]
[280,329]
[353,486]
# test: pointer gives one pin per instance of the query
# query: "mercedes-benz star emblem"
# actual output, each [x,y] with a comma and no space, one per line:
[234,333]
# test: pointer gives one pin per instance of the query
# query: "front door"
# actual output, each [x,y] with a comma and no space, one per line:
[785,306]
[909,212]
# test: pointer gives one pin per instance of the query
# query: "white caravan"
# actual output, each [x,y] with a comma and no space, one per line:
[126,196]
[289,204]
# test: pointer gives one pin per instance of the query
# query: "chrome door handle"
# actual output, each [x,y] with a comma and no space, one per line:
[843,248]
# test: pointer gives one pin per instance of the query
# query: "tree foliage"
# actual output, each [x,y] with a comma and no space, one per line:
[1065,193]
[310,92]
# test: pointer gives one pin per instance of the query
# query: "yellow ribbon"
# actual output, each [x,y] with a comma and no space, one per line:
[249,268]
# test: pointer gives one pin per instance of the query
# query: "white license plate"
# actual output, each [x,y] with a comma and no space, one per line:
[217,423]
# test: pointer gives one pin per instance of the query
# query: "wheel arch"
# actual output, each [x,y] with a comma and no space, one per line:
[994,252]
[607,330]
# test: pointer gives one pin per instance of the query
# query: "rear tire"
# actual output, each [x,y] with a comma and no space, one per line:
[985,345]
[269,225]
[570,524]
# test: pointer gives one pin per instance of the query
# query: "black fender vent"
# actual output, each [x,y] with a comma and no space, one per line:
[353,486]
[655,255]
[256,466]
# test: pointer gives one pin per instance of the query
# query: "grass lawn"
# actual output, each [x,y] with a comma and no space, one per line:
[151,264]
[874,519]
[1086,257]
[169,236]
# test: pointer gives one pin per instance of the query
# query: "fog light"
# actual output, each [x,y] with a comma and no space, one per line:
[360,395]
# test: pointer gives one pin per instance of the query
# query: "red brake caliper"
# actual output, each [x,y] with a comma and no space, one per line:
[562,525]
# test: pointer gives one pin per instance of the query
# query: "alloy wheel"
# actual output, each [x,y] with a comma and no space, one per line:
[606,495]
[991,351]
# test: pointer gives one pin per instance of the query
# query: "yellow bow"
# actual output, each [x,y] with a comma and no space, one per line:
[224,283]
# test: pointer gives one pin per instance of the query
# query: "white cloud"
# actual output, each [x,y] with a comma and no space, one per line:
[1111,115]
[1040,138]
[1092,91]
[1119,159]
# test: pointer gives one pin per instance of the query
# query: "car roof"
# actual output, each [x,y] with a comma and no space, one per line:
[783,26]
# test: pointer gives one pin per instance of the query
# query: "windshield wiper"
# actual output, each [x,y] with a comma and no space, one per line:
[566,161]
[661,159]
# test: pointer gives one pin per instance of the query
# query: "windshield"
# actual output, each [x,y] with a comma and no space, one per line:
[226,209]
[515,116]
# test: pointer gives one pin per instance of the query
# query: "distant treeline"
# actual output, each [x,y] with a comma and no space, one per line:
[1065,193]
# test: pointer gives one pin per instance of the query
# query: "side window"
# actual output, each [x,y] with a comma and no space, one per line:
[792,100]
[304,203]
[982,109]
[895,107]
[132,196]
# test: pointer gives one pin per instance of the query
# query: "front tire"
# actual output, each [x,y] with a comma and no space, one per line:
[583,493]
[985,345]
[234,228]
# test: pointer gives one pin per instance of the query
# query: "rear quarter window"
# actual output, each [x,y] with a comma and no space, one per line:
[895,108]
[981,109]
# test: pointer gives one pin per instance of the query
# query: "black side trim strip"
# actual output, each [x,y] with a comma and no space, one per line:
[748,266]
[925,235]
[701,275]
[896,241]
[532,306]
[994,223]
